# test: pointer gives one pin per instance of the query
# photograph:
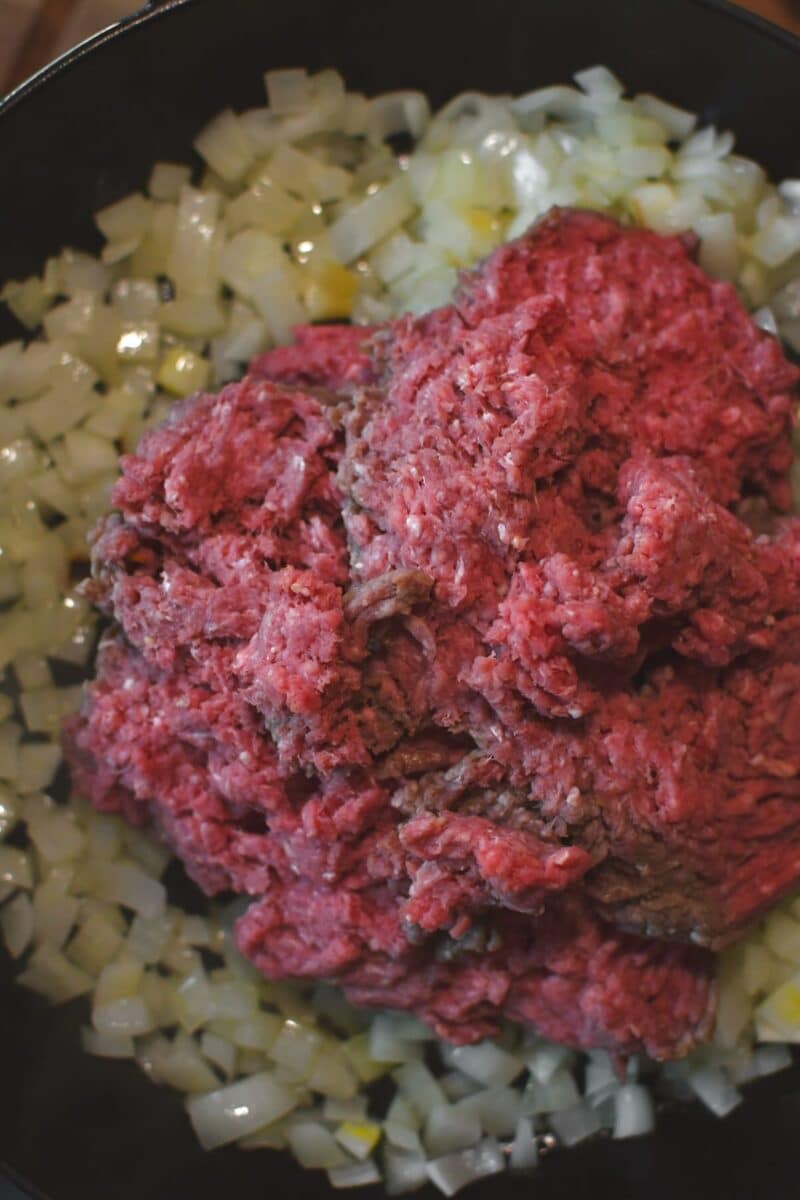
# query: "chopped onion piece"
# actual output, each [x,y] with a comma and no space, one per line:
[182,372]
[195,930]
[296,1048]
[782,936]
[264,206]
[192,316]
[258,1031]
[524,1148]
[55,913]
[288,90]
[357,1050]
[450,1127]
[332,1075]
[15,867]
[388,1043]
[546,1059]
[87,455]
[16,922]
[219,1052]
[712,1086]
[127,218]
[9,812]
[105,836]
[304,176]
[129,1017]
[398,112]
[167,180]
[275,295]
[125,884]
[231,1112]
[357,1175]
[633,1111]
[599,83]
[372,219]
[190,258]
[313,1145]
[573,1125]
[559,1093]
[677,121]
[719,249]
[600,1075]
[486,1062]
[27,300]
[778,242]
[403,1172]
[54,830]
[107,1045]
[764,317]
[359,1138]
[402,1137]
[354,1109]
[52,975]
[452,1172]
[96,943]
[734,1012]
[194,1005]
[457,1086]
[148,936]
[419,1087]
[148,850]
[119,981]
[225,146]
[497,1108]
[770,1059]
[10,734]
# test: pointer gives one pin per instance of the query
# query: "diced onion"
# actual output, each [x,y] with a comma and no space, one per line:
[452,1172]
[633,1111]
[497,1108]
[486,1062]
[107,1045]
[222,1116]
[357,1175]
[449,1128]
[524,1149]
[225,146]
[573,1125]
[712,1086]
[128,1017]
[313,1145]
[125,884]
[559,1093]
[358,1138]
[403,1172]
[219,1052]
[373,218]
[296,1047]
[16,923]
[52,975]
[15,867]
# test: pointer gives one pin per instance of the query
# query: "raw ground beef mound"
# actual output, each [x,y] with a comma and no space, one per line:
[469,647]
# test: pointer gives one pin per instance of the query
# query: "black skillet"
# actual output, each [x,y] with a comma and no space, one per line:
[84,132]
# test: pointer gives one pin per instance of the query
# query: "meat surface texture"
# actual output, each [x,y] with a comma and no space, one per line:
[455,645]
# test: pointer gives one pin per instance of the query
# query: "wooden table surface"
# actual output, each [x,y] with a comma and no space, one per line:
[34,31]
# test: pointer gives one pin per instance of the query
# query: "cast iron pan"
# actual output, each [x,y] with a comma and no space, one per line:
[83,133]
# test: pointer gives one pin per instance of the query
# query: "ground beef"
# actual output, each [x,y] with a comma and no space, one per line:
[469,647]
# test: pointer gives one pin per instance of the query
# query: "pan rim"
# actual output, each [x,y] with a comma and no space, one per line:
[156,10]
